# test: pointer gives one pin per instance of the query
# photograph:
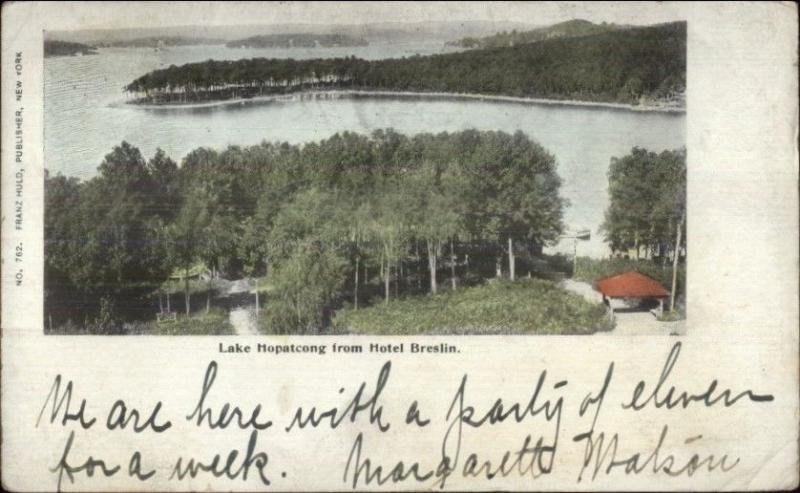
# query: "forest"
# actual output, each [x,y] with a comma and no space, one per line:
[647,210]
[631,66]
[340,224]
[296,40]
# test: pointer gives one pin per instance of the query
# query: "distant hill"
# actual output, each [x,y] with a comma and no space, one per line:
[644,65]
[295,40]
[159,41]
[569,29]
[66,48]
[372,32]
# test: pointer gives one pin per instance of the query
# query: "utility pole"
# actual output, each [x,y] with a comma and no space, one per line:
[574,256]
[581,234]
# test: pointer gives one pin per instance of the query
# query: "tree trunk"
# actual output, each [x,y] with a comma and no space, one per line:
[208,296]
[386,273]
[452,266]
[186,290]
[169,310]
[432,264]
[665,246]
[498,267]
[419,265]
[355,288]
[675,263]
[160,302]
[511,260]
[258,305]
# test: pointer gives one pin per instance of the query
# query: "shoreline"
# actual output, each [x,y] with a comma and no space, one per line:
[350,93]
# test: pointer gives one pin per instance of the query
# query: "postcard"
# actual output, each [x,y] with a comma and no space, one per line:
[401,246]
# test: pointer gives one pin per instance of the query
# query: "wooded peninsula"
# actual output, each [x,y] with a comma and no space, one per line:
[645,65]
[66,48]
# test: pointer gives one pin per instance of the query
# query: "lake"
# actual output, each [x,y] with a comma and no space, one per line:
[84,120]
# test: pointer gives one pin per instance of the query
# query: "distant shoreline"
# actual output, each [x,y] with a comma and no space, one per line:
[342,94]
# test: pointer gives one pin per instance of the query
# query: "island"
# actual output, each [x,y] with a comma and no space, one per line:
[54,48]
[643,66]
[297,40]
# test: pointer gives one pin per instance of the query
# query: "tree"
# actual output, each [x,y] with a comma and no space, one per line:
[166,192]
[105,235]
[647,205]
[647,197]
[334,208]
[305,246]
[122,244]
[62,232]
[305,285]
[187,236]
[437,212]
[514,187]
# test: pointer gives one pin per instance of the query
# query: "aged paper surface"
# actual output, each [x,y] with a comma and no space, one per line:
[384,246]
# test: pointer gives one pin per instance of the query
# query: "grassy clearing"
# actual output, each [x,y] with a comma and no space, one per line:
[525,306]
[215,322]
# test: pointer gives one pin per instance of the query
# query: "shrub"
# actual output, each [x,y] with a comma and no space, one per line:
[215,322]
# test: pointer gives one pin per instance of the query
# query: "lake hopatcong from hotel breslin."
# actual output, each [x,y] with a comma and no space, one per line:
[86,116]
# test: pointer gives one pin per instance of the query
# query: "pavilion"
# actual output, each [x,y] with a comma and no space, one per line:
[631,284]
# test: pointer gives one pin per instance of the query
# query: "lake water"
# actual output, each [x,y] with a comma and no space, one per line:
[84,120]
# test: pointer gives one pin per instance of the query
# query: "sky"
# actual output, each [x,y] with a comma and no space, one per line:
[158,14]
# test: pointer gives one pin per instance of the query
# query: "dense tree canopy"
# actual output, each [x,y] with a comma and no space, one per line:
[615,66]
[316,219]
[647,202]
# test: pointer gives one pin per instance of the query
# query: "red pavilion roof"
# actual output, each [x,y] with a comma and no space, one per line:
[631,285]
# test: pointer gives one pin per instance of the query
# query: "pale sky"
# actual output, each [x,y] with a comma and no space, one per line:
[82,15]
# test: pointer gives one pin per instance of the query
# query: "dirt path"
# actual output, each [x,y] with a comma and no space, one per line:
[243,321]
[583,289]
[627,323]
[241,316]
[644,324]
